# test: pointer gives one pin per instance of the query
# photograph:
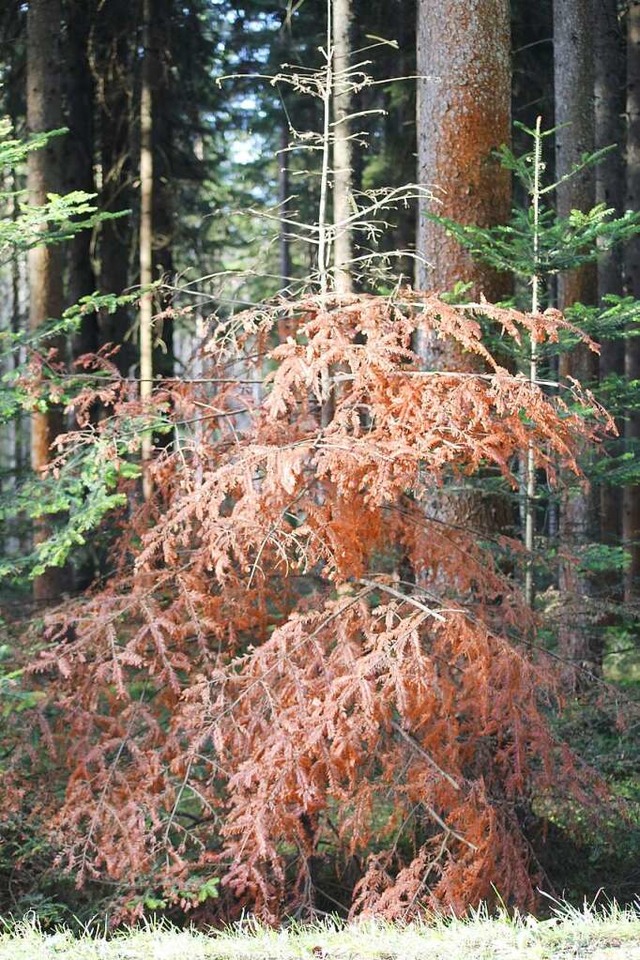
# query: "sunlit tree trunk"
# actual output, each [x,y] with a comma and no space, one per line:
[631,494]
[44,112]
[580,643]
[146,239]
[342,158]
[463,116]
[284,245]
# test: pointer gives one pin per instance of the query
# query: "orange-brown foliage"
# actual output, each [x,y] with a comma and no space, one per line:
[258,690]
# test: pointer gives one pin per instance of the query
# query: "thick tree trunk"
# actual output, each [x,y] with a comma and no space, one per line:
[342,146]
[575,116]
[463,116]
[631,494]
[580,643]
[44,112]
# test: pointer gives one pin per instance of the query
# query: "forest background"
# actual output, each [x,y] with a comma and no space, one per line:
[320,552]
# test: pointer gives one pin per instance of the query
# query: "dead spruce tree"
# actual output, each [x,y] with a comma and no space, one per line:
[254,666]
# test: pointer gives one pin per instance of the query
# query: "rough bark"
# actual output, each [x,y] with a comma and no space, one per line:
[463,116]
[44,112]
[342,146]
[580,643]
[631,494]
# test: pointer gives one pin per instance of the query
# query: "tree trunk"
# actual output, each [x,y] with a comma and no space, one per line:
[163,153]
[631,494]
[609,108]
[78,162]
[463,116]
[284,244]
[342,159]
[146,239]
[580,643]
[609,132]
[44,112]
[112,54]
[17,429]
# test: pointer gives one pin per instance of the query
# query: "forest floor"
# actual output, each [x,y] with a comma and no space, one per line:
[570,935]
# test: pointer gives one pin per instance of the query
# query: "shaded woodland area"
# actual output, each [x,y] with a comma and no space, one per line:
[319,486]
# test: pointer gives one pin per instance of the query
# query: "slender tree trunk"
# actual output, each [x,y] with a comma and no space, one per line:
[146,239]
[112,56]
[609,132]
[284,190]
[580,643]
[79,89]
[11,324]
[609,109]
[400,131]
[631,494]
[284,169]
[342,146]
[18,427]
[44,112]
[78,161]
[163,152]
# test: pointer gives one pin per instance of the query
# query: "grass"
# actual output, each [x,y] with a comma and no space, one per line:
[589,934]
